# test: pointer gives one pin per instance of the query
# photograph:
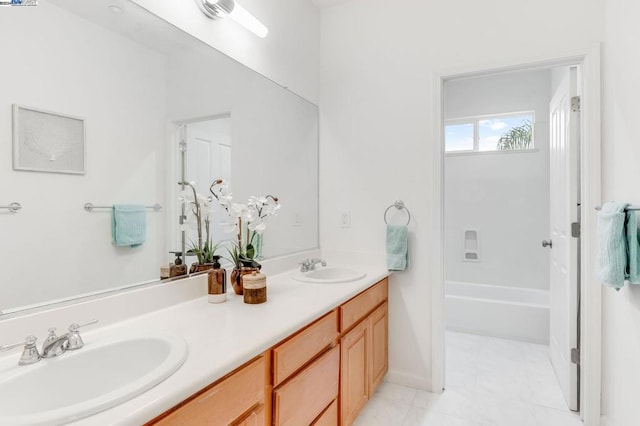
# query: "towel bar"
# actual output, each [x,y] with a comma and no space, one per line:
[399,204]
[90,207]
[13,207]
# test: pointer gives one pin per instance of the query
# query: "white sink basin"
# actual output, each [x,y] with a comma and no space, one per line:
[83,382]
[330,275]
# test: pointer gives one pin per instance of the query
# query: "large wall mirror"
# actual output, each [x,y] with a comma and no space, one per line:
[143,91]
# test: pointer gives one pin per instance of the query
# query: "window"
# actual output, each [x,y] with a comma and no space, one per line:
[505,132]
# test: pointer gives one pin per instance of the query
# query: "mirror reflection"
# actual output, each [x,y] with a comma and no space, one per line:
[146,93]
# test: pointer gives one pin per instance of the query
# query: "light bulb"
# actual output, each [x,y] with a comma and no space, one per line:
[247,20]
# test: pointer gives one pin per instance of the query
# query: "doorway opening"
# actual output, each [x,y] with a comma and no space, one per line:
[511,215]
[205,155]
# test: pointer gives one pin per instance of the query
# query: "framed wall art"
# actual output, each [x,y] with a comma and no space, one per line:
[45,141]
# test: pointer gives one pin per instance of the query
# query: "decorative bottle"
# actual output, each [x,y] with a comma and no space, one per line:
[217,282]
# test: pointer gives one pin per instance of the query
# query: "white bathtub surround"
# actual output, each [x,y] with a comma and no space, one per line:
[490,382]
[502,196]
[490,310]
[220,337]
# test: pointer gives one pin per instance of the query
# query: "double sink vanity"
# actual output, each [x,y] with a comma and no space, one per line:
[311,355]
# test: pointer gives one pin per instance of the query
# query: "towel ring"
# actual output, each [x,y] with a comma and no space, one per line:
[399,204]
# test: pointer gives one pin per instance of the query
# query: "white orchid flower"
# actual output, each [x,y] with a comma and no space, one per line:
[225,199]
[258,226]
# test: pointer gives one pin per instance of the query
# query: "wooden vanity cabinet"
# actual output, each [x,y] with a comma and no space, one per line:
[321,376]
[238,399]
[364,349]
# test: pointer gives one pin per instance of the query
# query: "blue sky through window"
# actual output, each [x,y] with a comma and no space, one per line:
[490,131]
[459,137]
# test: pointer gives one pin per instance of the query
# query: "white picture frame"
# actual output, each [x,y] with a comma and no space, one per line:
[45,141]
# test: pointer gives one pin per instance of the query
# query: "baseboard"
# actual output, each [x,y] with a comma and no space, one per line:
[406,379]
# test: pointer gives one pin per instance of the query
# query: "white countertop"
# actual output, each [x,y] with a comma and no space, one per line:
[222,337]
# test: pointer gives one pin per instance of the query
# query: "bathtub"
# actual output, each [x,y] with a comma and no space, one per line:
[490,310]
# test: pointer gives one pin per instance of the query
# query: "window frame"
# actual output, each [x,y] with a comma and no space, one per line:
[474,120]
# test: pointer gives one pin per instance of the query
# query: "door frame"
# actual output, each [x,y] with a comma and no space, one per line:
[590,320]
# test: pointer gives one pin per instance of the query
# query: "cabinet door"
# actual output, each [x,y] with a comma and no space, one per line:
[354,373]
[378,346]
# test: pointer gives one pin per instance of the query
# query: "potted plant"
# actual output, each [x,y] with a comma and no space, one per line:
[203,248]
[248,223]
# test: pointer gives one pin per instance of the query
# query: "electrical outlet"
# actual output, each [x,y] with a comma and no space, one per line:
[345,220]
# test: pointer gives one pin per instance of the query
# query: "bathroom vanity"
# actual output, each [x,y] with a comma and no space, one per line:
[312,354]
[322,374]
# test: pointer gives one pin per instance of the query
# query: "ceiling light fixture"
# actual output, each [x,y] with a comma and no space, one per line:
[223,8]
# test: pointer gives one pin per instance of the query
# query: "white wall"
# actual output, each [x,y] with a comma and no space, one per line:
[621,176]
[502,195]
[377,123]
[289,55]
[62,63]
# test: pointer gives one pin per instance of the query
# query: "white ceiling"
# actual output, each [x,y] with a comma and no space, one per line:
[327,3]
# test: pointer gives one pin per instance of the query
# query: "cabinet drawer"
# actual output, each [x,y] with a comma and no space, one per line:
[255,418]
[307,394]
[329,417]
[358,307]
[297,351]
[224,402]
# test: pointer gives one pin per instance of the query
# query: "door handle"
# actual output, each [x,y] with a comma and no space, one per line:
[546,243]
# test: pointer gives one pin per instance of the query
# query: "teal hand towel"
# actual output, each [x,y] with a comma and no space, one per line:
[257,245]
[611,256]
[633,248]
[128,225]
[397,248]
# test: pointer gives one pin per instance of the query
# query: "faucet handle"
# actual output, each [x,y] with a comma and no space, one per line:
[50,337]
[75,326]
[75,340]
[30,354]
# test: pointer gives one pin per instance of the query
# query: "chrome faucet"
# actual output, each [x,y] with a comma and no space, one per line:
[57,345]
[53,345]
[310,264]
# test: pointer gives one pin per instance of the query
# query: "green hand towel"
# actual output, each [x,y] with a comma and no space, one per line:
[633,248]
[257,246]
[611,259]
[397,248]
[128,225]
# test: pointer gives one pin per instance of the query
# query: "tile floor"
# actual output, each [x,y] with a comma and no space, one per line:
[489,382]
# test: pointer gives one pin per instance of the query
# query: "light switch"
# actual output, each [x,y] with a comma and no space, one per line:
[345,220]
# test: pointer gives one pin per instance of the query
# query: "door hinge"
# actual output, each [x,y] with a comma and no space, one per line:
[575,104]
[575,356]
[575,229]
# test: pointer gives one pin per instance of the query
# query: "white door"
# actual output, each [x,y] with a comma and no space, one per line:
[208,158]
[564,200]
